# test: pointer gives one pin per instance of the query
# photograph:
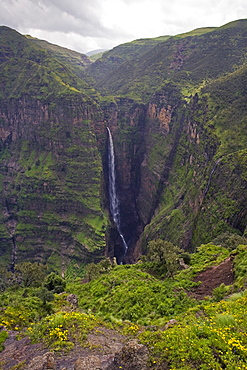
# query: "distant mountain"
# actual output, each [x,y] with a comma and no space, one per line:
[140,67]
[97,51]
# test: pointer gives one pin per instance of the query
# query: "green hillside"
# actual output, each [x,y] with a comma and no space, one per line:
[73,60]
[186,59]
[163,315]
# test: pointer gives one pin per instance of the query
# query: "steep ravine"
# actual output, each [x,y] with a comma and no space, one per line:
[126,124]
[142,135]
[167,180]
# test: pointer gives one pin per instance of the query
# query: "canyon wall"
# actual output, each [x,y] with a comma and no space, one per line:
[51,182]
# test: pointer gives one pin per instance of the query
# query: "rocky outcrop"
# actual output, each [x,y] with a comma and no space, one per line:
[106,350]
[45,362]
[133,356]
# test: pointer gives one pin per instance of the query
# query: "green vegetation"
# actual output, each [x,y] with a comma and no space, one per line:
[209,336]
[133,292]
[63,329]
[162,257]
[54,283]
[142,67]
[3,337]
[180,332]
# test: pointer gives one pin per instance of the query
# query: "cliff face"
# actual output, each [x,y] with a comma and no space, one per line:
[179,134]
[51,180]
[143,136]
[176,177]
[189,160]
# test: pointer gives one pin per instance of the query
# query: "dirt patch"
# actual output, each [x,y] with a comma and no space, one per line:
[212,278]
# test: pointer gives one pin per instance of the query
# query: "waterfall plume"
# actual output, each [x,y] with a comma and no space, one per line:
[114,201]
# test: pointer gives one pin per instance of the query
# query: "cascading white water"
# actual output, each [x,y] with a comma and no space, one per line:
[114,202]
[210,176]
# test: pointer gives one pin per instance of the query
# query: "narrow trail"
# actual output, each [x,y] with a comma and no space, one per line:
[212,278]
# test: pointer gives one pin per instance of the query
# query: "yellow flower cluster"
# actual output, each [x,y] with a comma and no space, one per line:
[63,328]
[58,334]
[131,329]
[236,343]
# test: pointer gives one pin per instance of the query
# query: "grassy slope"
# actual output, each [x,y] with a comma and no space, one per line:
[75,61]
[134,51]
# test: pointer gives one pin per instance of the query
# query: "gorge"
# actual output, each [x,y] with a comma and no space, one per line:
[147,142]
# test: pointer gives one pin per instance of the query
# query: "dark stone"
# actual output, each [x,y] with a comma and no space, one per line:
[133,356]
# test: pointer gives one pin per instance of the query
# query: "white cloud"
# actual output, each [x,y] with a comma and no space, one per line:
[84,25]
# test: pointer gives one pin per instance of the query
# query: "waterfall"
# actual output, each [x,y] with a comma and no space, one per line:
[114,202]
[210,176]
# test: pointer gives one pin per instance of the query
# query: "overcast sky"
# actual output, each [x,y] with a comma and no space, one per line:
[85,25]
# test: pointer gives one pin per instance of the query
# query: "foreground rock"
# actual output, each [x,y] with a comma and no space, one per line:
[106,350]
[133,356]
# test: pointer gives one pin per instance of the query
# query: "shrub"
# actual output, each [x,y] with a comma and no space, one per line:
[3,337]
[55,283]
[229,240]
[63,329]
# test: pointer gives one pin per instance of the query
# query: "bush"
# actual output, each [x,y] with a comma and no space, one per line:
[55,283]
[229,240]
[31,274]
[220,292]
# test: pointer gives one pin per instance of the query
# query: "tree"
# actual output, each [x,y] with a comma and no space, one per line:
[31,274]
[229,240]
[165,254]
[46,297]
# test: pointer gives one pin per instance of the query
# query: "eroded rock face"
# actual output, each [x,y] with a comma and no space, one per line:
[51,179]
[133,356]
[93,362]
[103,346]
[45,362]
